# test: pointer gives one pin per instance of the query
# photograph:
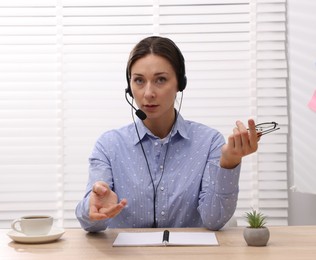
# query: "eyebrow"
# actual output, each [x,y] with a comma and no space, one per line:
[156,74]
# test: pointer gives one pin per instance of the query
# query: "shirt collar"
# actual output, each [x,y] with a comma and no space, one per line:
[178,129]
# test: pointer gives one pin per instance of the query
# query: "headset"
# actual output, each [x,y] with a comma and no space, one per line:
[181,77]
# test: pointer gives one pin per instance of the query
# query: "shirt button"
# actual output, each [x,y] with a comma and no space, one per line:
[156,143]
[162,213]
[161,166]
[162,188]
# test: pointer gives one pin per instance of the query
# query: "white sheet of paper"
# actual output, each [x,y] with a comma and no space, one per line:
[139,239]
[175,239]
[193,238]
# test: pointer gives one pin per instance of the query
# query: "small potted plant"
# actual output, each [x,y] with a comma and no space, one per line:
[256,234]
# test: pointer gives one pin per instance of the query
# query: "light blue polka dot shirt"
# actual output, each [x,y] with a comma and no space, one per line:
[191,189]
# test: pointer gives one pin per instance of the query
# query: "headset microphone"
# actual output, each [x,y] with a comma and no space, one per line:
[139,113]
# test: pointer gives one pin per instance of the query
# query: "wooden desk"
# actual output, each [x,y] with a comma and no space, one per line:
[297,243]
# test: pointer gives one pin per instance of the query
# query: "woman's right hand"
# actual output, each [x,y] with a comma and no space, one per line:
[104,202]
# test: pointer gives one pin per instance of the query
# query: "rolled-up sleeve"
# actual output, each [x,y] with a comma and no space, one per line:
[99,170]
[219,195]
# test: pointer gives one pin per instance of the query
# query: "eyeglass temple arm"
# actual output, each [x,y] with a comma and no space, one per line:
[267,131]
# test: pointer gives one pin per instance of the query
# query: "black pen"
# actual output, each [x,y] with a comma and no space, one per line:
[165,238]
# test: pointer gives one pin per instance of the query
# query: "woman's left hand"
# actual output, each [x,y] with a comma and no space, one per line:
[242,142]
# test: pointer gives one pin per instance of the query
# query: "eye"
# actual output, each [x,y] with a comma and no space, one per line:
[139,81]
[161,80]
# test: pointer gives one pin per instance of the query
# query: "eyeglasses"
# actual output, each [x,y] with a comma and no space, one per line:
[266,128]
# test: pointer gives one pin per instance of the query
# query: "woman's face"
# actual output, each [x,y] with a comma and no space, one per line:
[154,86]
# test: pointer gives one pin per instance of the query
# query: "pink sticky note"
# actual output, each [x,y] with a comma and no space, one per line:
[312,103]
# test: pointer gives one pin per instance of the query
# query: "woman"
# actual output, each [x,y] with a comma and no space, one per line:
[163,171]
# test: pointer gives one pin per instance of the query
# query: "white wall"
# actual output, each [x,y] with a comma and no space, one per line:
[302,84]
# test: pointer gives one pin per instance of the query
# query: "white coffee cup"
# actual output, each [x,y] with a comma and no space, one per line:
[33,225]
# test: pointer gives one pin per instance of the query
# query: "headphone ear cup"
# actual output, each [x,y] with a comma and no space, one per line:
[183,83]
[128,91]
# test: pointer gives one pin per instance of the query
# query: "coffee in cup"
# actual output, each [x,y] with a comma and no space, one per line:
[33,225]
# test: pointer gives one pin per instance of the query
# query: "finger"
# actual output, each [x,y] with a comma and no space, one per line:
[243,132]
[99,188]
[98,216]
[241,126]
[231,142]
[237,139]
[123,202]
[95,215]
[115,209]
[253,135]
[111,212]
[252,127]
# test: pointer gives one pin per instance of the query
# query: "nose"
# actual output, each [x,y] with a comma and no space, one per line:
[149,90]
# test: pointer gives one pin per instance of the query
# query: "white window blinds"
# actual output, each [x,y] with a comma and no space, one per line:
[30,110]
[97,38]
[270,68]
[62,76]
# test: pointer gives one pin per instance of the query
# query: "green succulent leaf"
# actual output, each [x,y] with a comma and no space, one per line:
[255,219]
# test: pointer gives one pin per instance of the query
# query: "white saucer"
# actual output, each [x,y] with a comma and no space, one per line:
[53,235]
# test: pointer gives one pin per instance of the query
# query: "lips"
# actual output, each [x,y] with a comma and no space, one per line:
[150,107]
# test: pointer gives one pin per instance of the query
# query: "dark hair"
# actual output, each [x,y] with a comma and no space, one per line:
[163,47]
